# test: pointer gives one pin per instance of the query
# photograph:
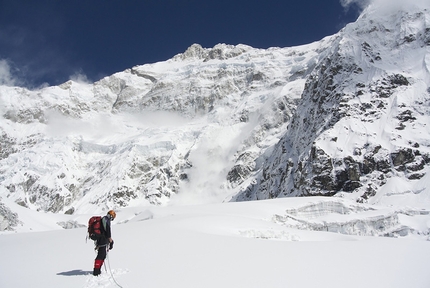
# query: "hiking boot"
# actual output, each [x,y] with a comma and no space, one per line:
[96,272]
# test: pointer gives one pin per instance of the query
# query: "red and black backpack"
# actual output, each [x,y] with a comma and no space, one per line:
[94,227]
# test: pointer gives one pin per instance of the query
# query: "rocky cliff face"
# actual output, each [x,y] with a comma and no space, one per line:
[347,114]
[363,118]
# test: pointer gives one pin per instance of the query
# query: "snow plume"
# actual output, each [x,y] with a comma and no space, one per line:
[6,77]
[13,74]
[80,77]
[362,4]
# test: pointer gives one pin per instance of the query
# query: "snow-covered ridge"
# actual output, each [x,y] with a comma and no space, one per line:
[363,120]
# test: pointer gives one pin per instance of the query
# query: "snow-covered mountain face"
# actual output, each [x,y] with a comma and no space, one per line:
[186,127]
[361,126]
[345,116]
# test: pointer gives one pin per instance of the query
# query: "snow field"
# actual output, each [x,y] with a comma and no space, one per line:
[220,245]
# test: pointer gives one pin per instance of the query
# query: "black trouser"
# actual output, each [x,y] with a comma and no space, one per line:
[101,253]
[102,244]
[98,262]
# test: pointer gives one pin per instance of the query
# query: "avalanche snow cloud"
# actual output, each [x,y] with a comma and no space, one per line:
[347,115]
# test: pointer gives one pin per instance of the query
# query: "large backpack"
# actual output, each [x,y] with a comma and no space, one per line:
[94,227]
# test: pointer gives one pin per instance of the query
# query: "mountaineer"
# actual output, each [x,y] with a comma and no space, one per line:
[99,231]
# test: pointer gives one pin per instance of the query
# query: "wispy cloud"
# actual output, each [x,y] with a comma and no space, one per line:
[80,77]
[5,74]
[35,57]
[362,4]
[99,127]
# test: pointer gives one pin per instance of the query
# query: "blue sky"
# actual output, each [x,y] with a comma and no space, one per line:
[51,41]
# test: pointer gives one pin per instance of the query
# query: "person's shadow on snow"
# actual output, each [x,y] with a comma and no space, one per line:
[75,273]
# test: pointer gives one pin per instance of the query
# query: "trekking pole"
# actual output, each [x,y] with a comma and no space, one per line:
[113,278]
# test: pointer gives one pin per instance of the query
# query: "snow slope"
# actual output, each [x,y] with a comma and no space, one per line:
[222,245]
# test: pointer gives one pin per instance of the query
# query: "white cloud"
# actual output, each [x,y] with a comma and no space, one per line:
[360,3]
[157,119]
[388,3]
[5,74]
[99,127]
